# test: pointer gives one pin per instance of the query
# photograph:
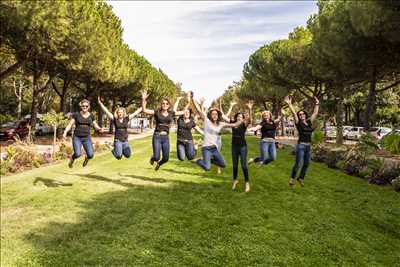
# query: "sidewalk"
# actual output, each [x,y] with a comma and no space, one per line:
[105,137]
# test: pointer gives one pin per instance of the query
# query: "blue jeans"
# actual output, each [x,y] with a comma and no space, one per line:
[77,142]
[267,148]
[303,153]
[121,148]
[240,151]
[160,143]
[211,155]
[185,150]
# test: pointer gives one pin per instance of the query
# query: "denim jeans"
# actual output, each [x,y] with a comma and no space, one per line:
[185,150]
[267,148]
[160,144]
[121,148]
[240,151]
[303,153]
[211,155]
[86,142]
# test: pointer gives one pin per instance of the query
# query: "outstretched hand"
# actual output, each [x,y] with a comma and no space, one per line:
[288,100]
[190,94]
[316,100]
[145,95]
[250,104]
[233,103]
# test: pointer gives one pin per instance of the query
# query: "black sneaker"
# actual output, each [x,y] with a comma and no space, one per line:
[151,161]
[157,166]
[71,162]
[85,162]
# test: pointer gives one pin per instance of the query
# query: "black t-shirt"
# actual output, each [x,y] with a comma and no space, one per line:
[305,131]
[82,125]
[268,129]
[121,129]
[238,135]
[185,129]
[163,122]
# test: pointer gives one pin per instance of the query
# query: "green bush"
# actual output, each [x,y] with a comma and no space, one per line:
[392,143]
[6,118]
[318,137]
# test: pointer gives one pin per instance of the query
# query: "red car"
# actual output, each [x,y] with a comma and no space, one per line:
[12,130]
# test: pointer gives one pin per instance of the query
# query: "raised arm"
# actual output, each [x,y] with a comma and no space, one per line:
[68,128]
[104,108]
[145,95]
[199,130]
[316,109]
[288,101]
[224,116]
[134,114]
[197,107]
[249,105]
[178,113]
[233,103]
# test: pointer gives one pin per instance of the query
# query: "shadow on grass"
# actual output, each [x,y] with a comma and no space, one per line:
[144,178]
[50,182]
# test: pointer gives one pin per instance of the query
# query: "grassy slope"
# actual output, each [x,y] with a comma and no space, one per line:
[123,212]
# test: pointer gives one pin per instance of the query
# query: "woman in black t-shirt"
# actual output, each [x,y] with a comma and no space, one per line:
[305,128]
[120,120]
[184,143]
[239,144]
[164,117]
[267,143]
[83,121]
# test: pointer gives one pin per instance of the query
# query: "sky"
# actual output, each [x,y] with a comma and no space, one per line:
[204,44]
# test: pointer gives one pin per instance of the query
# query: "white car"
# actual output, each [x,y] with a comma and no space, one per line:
[380,132]
[41,127]
[354,133]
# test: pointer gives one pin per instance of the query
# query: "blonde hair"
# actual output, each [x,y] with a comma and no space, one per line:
[84,101]
[118,109]
[266,112]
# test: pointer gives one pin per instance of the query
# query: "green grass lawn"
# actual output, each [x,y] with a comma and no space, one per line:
[125,213]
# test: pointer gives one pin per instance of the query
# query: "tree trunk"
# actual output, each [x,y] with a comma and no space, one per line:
[370,103]
[54,140]
[339,120]
[35,102]
[63,105]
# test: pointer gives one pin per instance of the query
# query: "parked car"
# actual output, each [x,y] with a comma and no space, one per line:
[346,128]
[41,128]
[354,133]
[10,131]
[393,132]
[380,132]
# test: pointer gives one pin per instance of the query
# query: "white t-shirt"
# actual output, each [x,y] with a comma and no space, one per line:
[212,134]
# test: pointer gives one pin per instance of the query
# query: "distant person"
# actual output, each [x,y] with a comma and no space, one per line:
[305,129]
[121,121]
[83,121]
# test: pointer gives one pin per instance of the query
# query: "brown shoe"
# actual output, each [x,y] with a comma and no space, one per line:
[301,182]
[292,182]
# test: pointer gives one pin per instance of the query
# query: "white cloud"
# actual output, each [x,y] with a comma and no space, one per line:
[205,44]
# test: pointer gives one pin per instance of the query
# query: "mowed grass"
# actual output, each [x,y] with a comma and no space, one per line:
[118,213]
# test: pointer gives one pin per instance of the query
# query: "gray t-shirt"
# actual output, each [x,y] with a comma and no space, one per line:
[212,134]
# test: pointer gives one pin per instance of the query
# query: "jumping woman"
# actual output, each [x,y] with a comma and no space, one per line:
[184,145]
[213,125]
[239,147]
[305,128]
[120,120]
[82,120]
[267,143]
[163,117]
